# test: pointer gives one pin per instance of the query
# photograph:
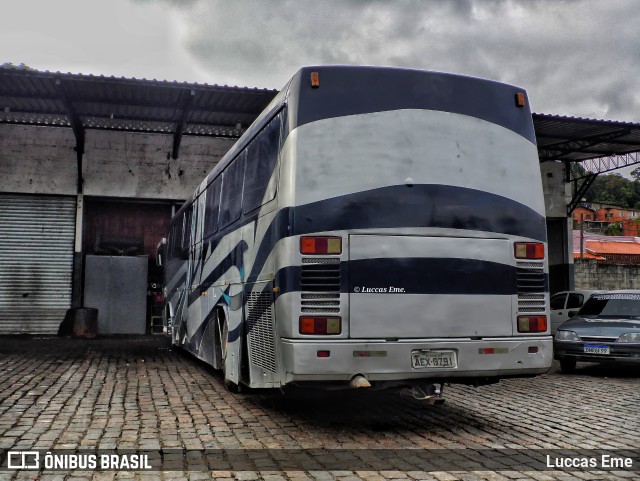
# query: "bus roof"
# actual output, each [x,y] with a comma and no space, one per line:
[351,90]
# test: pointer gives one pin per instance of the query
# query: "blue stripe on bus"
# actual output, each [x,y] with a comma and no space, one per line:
[352,91]
[235,258]
[417,275]
[424,205]
[237,302]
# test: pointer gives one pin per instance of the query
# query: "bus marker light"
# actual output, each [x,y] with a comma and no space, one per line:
[520,99]
[369,353]
[320,325]
[493,350]
[315,80]
[324,354]
[533,349]
[320,245]
[528,250]
[532,323]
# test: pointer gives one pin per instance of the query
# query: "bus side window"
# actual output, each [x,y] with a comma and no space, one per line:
[186,232]
[177,239]
[231,204]
[262,155]
[212,207]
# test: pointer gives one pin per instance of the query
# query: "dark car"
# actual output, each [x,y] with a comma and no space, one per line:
[606,329]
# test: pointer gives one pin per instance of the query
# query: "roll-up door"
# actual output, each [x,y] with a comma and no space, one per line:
[36,262]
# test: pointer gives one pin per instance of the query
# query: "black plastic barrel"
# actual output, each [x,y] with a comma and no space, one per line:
[85,322]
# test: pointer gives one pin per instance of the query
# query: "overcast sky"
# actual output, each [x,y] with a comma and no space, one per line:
[575,57]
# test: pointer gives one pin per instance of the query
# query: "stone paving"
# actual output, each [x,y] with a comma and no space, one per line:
[137,394]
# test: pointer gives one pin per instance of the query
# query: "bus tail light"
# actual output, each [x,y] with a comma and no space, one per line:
[532,323]
[320,325]
[320,245]
[528,250]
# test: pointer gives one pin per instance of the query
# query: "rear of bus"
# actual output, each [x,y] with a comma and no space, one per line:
[417,248]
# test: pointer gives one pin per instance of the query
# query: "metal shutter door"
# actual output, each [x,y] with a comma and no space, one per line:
[36,262]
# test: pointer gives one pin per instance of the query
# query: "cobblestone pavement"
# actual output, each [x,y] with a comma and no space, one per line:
[135,393]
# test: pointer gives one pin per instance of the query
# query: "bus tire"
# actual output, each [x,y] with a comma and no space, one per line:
[223,335]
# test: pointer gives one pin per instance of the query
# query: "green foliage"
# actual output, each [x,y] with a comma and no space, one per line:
[22,66]
[615,228]
[617,190]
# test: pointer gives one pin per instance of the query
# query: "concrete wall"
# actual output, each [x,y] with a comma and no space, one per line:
[591,274]
[556,198]
[42,160]
[557,192]
[37,160]
[130,164]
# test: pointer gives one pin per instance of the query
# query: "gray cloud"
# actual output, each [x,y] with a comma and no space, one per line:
[577,57]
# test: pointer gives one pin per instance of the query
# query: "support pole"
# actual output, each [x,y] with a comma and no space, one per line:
[581,236]
[79,134]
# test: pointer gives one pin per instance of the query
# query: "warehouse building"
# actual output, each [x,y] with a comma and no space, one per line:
[97,165]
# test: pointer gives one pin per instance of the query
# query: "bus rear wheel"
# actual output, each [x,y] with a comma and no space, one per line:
[223,340]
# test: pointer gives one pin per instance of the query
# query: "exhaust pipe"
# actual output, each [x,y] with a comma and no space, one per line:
[359,381]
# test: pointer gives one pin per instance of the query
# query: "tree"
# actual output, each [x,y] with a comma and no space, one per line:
[614,189]
[615,228]
[21,65]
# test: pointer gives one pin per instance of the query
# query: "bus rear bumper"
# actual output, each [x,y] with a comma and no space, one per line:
[393,361]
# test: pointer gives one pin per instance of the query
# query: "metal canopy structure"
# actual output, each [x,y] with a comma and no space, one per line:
[127,104]
[589,147]
[575,139]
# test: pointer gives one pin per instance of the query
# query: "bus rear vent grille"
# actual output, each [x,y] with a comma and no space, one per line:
[320,275]
[320,284]
[530,278]
[531,285]
[529,303]
[261,333]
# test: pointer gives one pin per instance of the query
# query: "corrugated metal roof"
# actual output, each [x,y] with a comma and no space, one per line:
[99,102]
[620,248]
[52,98]
[587,255]
[576,138]
[622,239]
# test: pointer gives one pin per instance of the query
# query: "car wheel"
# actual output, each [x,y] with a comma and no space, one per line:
[568,365]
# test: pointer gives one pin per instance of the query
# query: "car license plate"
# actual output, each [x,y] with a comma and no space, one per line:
[588,348]
[433,359]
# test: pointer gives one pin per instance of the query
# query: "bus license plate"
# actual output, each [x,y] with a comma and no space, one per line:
[433,359]
[596,349]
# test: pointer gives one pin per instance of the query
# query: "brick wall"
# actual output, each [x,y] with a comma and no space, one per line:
[592,274]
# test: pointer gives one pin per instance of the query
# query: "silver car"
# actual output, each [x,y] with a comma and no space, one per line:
[606,330]
[566,304]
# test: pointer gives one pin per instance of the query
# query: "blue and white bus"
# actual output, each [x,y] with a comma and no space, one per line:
[374,227]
